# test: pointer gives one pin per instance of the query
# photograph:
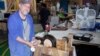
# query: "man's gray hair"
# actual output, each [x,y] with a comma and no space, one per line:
[24,1]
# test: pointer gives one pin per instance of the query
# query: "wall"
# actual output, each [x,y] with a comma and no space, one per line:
[98,1]
[64,5]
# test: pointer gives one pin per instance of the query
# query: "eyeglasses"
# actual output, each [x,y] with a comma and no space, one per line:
[26,5]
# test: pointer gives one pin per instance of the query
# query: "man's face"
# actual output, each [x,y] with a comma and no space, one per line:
[24,8]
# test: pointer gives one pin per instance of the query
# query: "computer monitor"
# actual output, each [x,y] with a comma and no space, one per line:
[1,16]
[6,15]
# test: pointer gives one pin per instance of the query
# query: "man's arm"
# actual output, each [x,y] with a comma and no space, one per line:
[19,39]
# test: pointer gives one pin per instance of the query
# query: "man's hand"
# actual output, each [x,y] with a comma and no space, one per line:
[35,42]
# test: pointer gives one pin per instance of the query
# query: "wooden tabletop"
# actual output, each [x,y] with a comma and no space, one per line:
[59,34]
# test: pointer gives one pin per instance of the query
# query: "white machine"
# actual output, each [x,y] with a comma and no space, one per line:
[85,18]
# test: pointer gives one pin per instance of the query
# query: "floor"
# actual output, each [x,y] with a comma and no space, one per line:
[87,50]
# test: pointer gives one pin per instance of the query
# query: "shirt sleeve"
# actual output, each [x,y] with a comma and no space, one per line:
[32,28]
[13,28]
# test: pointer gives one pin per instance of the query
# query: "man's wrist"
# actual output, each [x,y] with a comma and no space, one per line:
[29,44]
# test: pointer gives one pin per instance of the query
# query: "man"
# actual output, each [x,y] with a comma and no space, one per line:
[21,30]
[44,15]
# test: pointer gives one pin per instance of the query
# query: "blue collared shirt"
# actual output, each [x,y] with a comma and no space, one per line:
[15,29]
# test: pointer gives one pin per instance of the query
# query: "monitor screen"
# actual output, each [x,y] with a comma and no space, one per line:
[2,5]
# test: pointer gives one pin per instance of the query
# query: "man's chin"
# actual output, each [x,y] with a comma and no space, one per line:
[25,14]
